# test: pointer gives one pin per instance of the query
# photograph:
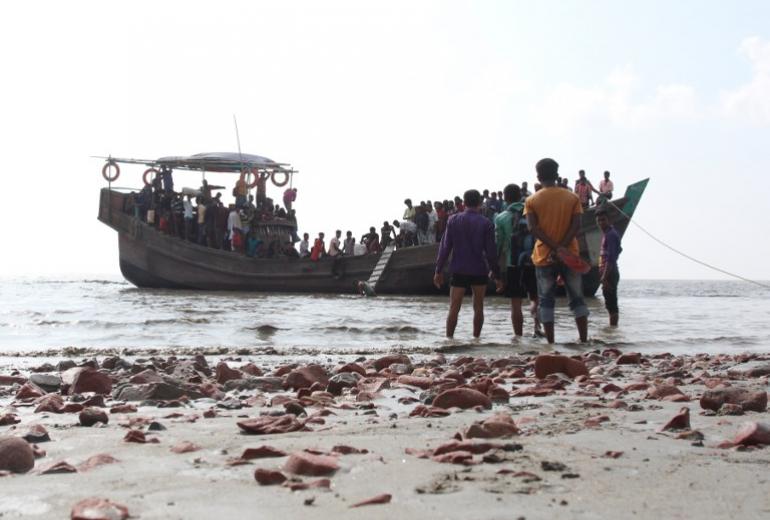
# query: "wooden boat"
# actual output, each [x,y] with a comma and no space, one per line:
[149,258]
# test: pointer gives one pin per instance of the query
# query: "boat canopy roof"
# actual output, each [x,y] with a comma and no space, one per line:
[223,162]
[213,162]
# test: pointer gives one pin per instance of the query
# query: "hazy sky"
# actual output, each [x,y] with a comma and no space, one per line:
[377,101]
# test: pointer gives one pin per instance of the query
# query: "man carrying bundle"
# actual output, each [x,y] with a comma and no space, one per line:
[553,216]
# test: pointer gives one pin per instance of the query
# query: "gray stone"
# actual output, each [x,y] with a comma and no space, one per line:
[48,382]
[750,369]
[265,384]
[155,426]
[154,391]
[400,368]
[342,380]
[65,364]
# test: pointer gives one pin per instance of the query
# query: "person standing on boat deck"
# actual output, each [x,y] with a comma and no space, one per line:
[409,212]
[145,201]
[239,192]
[470,239]
[553,216]
[524,191]
[262,189]
[319,248]
[157,189]
[177,215]
[432,222]
[166,175]
[201,231]
[609,276]
[221,213]
[606,187]
[441,218]
[514,245]
[584,189]
[387,234]
[409,231]
[234,228]
[422,221]
[348,249]
[334,244]
[289,196]
[304,246]
[371,240]
[188,217]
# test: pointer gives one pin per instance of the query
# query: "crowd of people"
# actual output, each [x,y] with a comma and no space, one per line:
[202,217]
[425,223]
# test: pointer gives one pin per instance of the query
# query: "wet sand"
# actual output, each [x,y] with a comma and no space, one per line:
[574,446]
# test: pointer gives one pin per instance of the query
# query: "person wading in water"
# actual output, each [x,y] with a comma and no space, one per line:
[470,238]
[608,265]
[553,216]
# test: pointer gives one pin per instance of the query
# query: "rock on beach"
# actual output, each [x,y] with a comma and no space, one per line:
[461,398]
[16,455]
[91,416]
[747,399]
[547,364]
[752,434]
[98,509]
[311,465]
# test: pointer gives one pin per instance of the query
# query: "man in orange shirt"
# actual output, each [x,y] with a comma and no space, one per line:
[553,216]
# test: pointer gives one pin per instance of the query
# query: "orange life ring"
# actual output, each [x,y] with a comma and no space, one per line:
[106,168]
[245,174]
[148,171]
[285,179]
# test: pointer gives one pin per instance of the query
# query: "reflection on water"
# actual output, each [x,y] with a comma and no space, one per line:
[685,316]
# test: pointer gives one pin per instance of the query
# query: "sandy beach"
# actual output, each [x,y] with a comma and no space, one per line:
[593,443]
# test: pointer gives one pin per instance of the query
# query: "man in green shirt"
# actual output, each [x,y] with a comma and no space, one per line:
[514,250]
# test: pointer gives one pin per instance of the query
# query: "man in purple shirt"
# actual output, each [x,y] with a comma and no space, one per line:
[609,275]
[470,238]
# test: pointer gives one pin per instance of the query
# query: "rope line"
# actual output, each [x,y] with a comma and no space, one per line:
[685,255]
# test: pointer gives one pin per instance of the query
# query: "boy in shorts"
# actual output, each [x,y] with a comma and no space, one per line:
[470,238]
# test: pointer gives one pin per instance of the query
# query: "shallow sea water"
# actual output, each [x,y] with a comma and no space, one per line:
[656,315]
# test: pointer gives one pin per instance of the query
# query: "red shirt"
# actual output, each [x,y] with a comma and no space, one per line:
[583,191]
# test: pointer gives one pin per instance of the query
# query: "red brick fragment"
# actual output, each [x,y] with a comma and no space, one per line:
[461,398]
[185,447]
[269,477]
[303,463]
[379,499]
[262,452]
[546,364]
[681,421]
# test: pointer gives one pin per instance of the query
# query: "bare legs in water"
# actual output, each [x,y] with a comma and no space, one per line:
[456,295]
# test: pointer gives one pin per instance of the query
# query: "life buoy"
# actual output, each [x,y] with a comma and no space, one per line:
[147,172]
[274,175]
[106,169]
[245,175]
